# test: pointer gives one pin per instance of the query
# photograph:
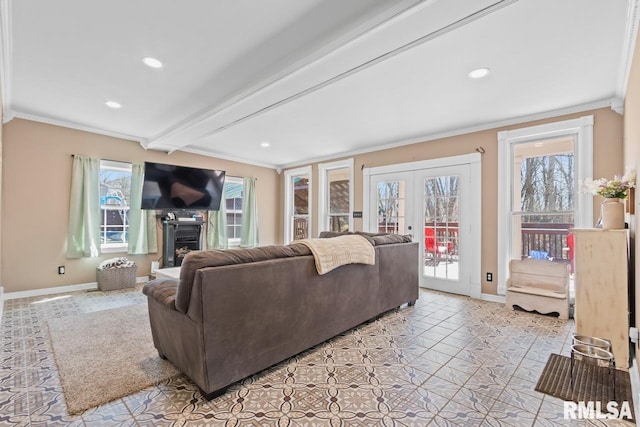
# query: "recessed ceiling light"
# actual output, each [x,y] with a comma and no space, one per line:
[538,144]
[113,104]
[264,144]
[479,73]
[152,62]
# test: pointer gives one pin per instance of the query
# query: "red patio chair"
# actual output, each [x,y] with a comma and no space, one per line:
[437,249]
[570,244]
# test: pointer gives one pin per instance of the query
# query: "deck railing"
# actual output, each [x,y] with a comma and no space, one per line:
[549,238]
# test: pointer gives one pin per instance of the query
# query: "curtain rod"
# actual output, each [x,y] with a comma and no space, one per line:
[108,160]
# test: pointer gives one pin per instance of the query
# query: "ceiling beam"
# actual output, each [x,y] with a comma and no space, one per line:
[498,5]
[309,60]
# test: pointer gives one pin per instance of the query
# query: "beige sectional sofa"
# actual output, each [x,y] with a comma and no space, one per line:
[234,313]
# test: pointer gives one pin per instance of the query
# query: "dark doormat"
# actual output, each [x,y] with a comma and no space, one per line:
[590,383]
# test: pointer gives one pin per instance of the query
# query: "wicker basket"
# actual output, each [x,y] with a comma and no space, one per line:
[117,278]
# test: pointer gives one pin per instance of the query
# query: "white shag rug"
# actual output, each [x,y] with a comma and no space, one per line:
[105,355]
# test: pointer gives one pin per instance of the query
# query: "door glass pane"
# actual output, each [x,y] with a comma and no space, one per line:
[391,207]
[339,187]
[300,195]
[300,214]
[543,200]
[441,216]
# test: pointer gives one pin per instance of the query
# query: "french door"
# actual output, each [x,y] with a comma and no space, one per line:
[442,217]
[433,206]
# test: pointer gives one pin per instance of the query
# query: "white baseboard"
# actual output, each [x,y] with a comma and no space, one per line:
[61,289]
[493,298]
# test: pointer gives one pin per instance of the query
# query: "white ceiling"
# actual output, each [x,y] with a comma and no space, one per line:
[315,78]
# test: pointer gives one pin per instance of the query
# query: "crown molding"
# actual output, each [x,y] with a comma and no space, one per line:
[76,126]
[6,58]
[462,131]
[628,48]
[617,105]
[141,141]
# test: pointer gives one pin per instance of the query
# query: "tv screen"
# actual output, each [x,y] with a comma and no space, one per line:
[181,187]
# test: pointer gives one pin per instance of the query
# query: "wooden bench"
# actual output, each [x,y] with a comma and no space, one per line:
[539,285]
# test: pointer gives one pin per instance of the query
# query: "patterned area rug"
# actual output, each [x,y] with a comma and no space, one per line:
[105,355]
[590,383]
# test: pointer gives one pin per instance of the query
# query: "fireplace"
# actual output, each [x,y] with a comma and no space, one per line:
[180,238]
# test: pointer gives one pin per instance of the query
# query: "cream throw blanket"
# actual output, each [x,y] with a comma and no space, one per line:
[333,252]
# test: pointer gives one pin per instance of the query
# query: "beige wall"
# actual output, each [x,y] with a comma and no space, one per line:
[608,151]
[35,194]
[1,195]
[632,159]
[35,210]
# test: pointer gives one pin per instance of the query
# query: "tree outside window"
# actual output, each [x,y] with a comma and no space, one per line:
[115,193]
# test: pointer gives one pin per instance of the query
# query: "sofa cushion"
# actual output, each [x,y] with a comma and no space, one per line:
[329,234]
[162,290]
[375,239]
[388,238]
[196,260]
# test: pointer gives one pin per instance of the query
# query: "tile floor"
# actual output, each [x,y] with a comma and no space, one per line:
[449,360]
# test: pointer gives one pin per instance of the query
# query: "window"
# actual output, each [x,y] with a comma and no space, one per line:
[538,198]
[336,196]
[297,204]
[543,198]
[233,194]
[115,193]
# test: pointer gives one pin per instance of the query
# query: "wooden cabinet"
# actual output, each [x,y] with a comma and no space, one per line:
[602,288]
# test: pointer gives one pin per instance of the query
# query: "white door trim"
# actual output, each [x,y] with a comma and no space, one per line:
[475,191]
[582,130]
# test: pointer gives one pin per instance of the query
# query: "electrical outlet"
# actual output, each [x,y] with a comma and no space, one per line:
[61,269]
[489,277]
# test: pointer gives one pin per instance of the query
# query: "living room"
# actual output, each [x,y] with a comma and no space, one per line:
[37,154]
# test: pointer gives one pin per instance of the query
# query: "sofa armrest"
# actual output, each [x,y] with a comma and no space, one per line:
[163,291]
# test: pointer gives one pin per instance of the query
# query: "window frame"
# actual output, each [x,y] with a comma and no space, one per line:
[305,171]
[582,130]
[121,246]
[323,192]
[234,242]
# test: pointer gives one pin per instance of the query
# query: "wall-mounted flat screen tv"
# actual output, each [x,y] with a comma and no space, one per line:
[180,187]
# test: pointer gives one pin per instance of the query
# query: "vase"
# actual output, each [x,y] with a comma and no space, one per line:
[612,211]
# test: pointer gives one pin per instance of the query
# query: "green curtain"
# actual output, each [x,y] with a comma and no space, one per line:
[217,227]
[83,233]
[249,233]
[143,236]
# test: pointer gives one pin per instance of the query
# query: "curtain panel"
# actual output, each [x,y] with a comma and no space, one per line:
[217,227]
[83,233]
[143,236]
[249,233]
